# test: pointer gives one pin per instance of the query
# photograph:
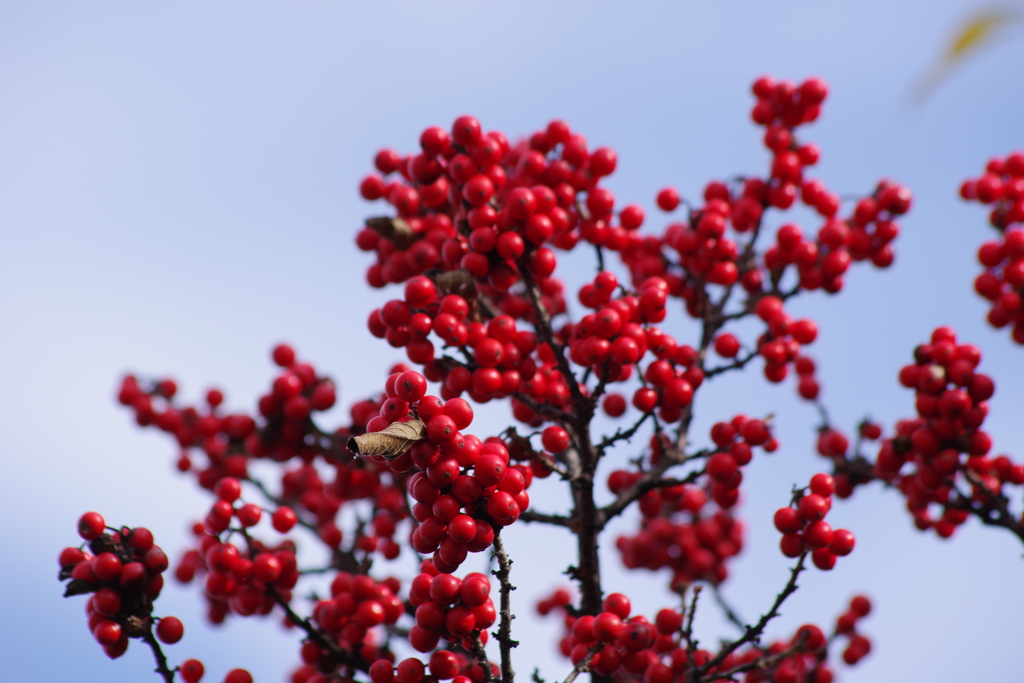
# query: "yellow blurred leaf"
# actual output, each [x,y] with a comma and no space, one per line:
[975,32]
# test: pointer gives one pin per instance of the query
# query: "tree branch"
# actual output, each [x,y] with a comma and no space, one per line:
[504,634]
[753,633]
[158,654]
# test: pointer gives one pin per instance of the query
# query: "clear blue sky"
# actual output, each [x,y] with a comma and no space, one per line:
[177,193]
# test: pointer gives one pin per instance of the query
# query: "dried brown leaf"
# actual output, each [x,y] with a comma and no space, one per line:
[394,230]
[391,442]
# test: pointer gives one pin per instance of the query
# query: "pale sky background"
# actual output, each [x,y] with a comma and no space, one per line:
[178,193]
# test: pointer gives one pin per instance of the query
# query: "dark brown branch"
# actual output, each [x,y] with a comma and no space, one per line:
[543,324]
[996,503]
[753,633]
[621,435]
[504,634]
[583,664]
[691,644]
[158,654]
[730,613]
[543,518]
[738,364]
[651,480]
[477,648]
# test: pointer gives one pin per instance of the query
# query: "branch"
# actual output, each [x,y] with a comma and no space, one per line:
[735,365]
[504,634]
[691,644]
[730,613]
[543,325]
[158,654]
[621,435]
[753,633]
[651,480]
[477,648]
[544,518]
[583,664]
[764,662]
[997,503]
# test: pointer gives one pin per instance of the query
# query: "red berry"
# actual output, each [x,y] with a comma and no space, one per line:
[726,345]
[607,626]
[283,519]
[238,676]
[191,670]
[555,439]
[91,525]
[668,199]
[170,630]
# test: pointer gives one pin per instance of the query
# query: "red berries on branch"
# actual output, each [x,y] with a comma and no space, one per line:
[613,642]
[1002,283]
[804,527]
[473,226]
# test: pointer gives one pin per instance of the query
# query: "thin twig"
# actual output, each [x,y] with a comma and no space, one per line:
[583,664]
[543,518]
[730,613]
[622,435]
[504,634]
[477,648]
[158,654]
[753,633]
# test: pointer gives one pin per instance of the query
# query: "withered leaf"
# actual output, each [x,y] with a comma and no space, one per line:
[459,281]
[394,230]
[391,442]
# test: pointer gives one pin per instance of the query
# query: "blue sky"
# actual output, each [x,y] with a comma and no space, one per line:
[177,194]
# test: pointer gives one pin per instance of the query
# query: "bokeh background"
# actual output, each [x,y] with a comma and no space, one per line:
[178,193]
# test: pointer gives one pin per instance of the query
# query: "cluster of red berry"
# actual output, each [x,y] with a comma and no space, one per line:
[846,625]
[616,642]
[1002,283]
[512,200]
[472,237]
[449,607]
[804,527]
[122,571]
[225,439]
[442,665]
[463,487]
[656,652]
[358,604]
[945,444]
[239,580]
[679,528]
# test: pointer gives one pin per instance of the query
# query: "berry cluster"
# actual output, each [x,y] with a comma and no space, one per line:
[1002,283]
[463,487]
[239,581]
[804,527]
[471,200]
[1002,188]
[123,570]
[456,609]
[475,221]
[634,648]
[858,646]
[358,604]
[443,665]
[945,444]
[679,527]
